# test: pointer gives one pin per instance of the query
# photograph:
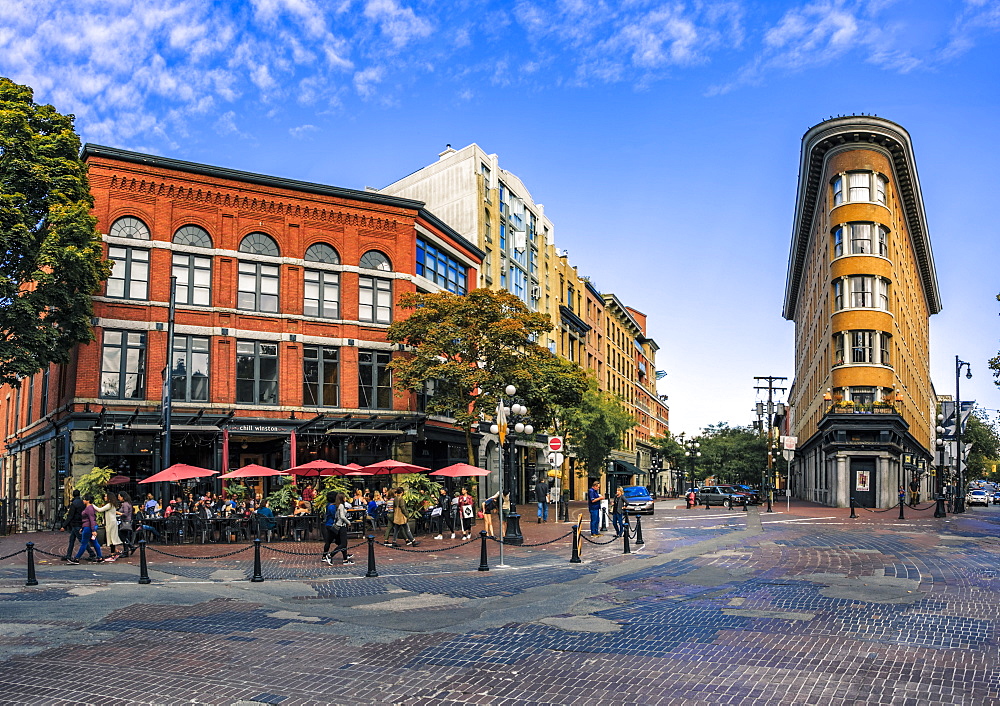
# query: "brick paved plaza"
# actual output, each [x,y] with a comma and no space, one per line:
[801,606]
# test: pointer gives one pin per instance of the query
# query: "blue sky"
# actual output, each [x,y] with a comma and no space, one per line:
[662,137]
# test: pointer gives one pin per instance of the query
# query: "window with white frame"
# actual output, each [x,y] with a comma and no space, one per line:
[859,187]
[258,286]
[374,300]
[861,292]
[860,239]
[862,348]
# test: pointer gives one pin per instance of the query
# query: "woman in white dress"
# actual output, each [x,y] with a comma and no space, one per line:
[109,512]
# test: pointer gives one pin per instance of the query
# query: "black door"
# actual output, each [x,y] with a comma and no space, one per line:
[863,481]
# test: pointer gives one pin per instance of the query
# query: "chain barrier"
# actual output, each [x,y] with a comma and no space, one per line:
[10,556]
[598,543]
[426,551]
[888,509]
[42,551]
[535,544]
[921,509]
[319,553]
[219,556]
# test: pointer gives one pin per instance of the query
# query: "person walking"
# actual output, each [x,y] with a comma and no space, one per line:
[88,532]
[126,515]
[400,521]
[542,498]
[466,506]
[618,512]
[73,524]
[108,512]
[341,523]
[443,514]
[329,523]
[594,499]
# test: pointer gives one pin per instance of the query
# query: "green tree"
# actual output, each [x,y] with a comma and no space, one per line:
[983,441]
[556,386]
[595,427]
[994,363]
[51,260]
[733,454]
[469,348]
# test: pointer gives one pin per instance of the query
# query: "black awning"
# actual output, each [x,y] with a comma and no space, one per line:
[624,468]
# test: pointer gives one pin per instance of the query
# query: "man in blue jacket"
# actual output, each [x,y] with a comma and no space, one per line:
[594,499]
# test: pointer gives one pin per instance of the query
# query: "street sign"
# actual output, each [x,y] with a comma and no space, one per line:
[789,442]
[789,454]
[556,459]
[555,443]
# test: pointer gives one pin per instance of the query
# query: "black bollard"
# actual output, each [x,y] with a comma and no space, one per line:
[939,508]
[854,515]
[746,504]
[901,509]
[483,564]
[626,547]
[32,581]
[638,531]
[575,559]
[372,573]
[257,575]
[707,505]
[143,569]
[769,501]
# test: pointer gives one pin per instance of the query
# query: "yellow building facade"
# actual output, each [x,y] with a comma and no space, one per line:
[861,287]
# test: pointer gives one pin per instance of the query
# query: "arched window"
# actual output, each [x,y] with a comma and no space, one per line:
[374,260]
[321,252]
[129,227]
[259,244]
[194,236]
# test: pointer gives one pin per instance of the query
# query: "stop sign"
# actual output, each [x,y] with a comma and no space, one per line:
[555,443]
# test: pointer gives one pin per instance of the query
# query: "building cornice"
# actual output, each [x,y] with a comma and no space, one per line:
[859,132]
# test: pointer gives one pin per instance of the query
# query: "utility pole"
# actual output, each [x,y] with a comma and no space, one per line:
[769,412]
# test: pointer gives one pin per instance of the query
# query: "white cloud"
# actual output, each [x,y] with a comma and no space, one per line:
[366,81]
[400,24]
[302,131]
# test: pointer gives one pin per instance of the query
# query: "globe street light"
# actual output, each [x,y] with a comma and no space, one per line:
[505,408]
[959,466]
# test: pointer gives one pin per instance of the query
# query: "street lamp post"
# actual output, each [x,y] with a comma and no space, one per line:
[939,510]
[959,466]
[691,453]
[500,428]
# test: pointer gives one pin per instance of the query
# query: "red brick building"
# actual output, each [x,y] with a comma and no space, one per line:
[284,291]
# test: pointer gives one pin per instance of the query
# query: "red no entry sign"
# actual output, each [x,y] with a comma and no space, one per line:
[555,443]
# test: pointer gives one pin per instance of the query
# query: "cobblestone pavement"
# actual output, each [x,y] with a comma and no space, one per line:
[800,606]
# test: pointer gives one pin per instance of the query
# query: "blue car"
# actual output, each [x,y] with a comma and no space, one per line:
[638,500]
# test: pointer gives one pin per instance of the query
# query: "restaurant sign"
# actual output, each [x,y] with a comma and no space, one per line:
[258,428]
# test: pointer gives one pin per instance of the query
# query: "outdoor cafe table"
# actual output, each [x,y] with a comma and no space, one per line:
[288,525]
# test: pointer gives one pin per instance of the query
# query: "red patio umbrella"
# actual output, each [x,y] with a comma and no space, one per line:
[118,480]
[253,471]
[316,468]
[459,470]
[179,471]
[389,467]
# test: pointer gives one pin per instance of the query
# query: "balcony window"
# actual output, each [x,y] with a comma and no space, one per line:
[374,380]
[123,365]
[320,376]
[256,372]
[189,369]
[129,273]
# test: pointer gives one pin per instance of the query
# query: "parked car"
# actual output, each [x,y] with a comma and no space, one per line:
[638,500]
[755,495]
[996,498]
[977,497]
[721,495]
